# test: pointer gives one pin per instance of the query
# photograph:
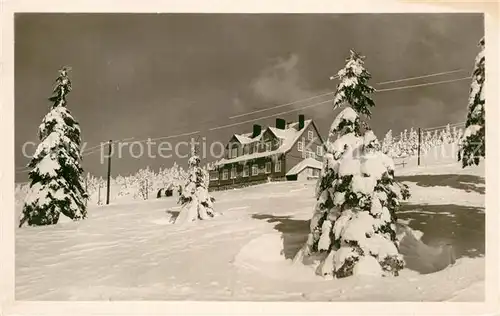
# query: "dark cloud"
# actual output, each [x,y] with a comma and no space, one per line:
[282,82]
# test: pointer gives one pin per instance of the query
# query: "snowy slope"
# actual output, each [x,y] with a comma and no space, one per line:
[130,251]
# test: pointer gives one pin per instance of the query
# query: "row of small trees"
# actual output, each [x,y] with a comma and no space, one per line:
[144,184]
[406,144]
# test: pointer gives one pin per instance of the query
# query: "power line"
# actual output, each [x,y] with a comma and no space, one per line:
[168,137]
[86,153]
[281,105]
[420,77]
[268,116]
[423,84]
[316,104]
[382,90]
[105,143]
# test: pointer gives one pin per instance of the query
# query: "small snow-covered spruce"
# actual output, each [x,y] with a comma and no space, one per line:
[353,225]
[472,143]
[197,203]
[57,184]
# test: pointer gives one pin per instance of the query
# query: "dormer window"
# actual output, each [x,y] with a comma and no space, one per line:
[234,152]
[268,146]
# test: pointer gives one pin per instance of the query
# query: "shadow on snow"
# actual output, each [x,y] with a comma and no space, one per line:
[460,226]
[457,181]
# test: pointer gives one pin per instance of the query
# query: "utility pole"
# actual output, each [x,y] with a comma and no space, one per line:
[419,140]
[109,170]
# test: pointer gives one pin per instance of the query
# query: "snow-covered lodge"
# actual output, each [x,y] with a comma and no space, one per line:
[286,151]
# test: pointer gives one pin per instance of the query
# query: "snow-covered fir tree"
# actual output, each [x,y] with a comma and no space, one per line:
[454,133]
[426,141]
[436,139]
[353,225]
[405,148]
[472,143]
[387,143]
[197,203]
[56,178]
[446,136]
[146,183]
[413,142]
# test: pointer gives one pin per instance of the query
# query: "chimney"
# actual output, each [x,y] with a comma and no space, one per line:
[256,130]
[301,121]
[280,123]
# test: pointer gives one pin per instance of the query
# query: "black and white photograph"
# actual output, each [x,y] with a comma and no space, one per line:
[257,157]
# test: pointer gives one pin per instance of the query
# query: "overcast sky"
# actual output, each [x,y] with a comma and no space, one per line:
[153,75]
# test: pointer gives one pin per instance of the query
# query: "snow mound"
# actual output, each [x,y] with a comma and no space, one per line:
[267,248]
[367,266]
[265,255]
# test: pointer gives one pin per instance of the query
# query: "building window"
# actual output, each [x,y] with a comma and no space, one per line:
[268,146]
[214,176]
[233,172]
[256,148]
[246,149]
[246,171]
[234,152]
[319,151]
[310,154]
[277,166]
[300,146]
[225,174]
[310,135]
[315,172]
[268,167]
[255,170]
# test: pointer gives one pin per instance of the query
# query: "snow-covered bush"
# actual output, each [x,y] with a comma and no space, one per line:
[196,202]
[472,143]
[353,223]
[56,178]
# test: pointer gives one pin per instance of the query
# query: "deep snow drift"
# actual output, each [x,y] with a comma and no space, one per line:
[131,251]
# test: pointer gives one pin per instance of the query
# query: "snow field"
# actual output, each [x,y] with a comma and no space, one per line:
[130,251]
